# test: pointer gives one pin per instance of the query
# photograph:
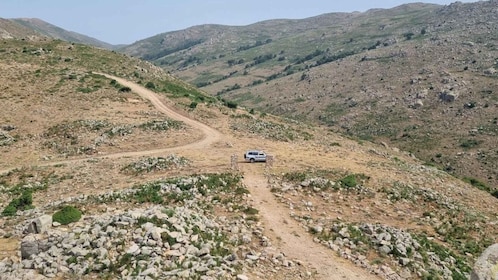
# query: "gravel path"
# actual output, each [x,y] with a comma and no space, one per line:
[290,237]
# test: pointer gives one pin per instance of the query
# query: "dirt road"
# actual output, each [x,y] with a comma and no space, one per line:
[291,238]
[286,234]
[210,135]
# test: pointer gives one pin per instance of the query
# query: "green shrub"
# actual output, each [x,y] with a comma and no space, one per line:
[469,143]
[480,185]
[251,211]
[193,105]
[165,237]
[295,176]
[476,183]
[230,104]
[24,202]
[150,85]
[495,193]
[349,181]
[85,89]
[67,215]
[124,89]
[10,210]
[71,260]
[149,193]
[241,191]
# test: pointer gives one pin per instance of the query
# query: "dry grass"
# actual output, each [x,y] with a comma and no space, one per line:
[39,95]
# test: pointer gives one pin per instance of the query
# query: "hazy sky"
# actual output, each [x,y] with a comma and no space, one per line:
[127,21]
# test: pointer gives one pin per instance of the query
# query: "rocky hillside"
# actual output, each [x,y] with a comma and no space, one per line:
[419,77]
[10,29]
[32,27]
[141,175]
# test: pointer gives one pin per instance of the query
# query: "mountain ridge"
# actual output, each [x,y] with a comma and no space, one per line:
[34,27]
[404,66]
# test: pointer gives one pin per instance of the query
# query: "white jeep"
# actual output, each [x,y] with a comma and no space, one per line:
[254,156]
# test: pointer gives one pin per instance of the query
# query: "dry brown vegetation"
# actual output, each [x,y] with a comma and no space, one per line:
[72,132]
[384,76]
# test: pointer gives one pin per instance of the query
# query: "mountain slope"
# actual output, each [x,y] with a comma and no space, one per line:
[34,26]
[420,77]
[156,201]
[10,29]
[206,47]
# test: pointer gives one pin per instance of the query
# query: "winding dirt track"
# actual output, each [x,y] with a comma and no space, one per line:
[210,135]
[286,234]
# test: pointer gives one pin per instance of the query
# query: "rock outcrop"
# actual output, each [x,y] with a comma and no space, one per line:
[486,267]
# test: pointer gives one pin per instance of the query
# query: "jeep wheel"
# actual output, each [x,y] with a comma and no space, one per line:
[252,159]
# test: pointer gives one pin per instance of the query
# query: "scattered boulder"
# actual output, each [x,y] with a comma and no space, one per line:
[30,245]
[40,225]
[448,96]
[8,127]
[242,277]
[6,139]
[490,71]
[422,94]
[486,266]
[418,103]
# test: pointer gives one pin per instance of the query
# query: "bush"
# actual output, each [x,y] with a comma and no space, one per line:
[149,193]
[251,211]
[495,193]
[193,105]
[295,176]
[150,85]
[24,202]
[10,210]
[67,215]
[469,143]
[349,181]
[124,89]
[230,104]
[482,186]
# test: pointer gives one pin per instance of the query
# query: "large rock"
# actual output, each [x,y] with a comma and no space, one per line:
[448,96]
[30,245]
[490,71]
[40,224]
[486,267]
